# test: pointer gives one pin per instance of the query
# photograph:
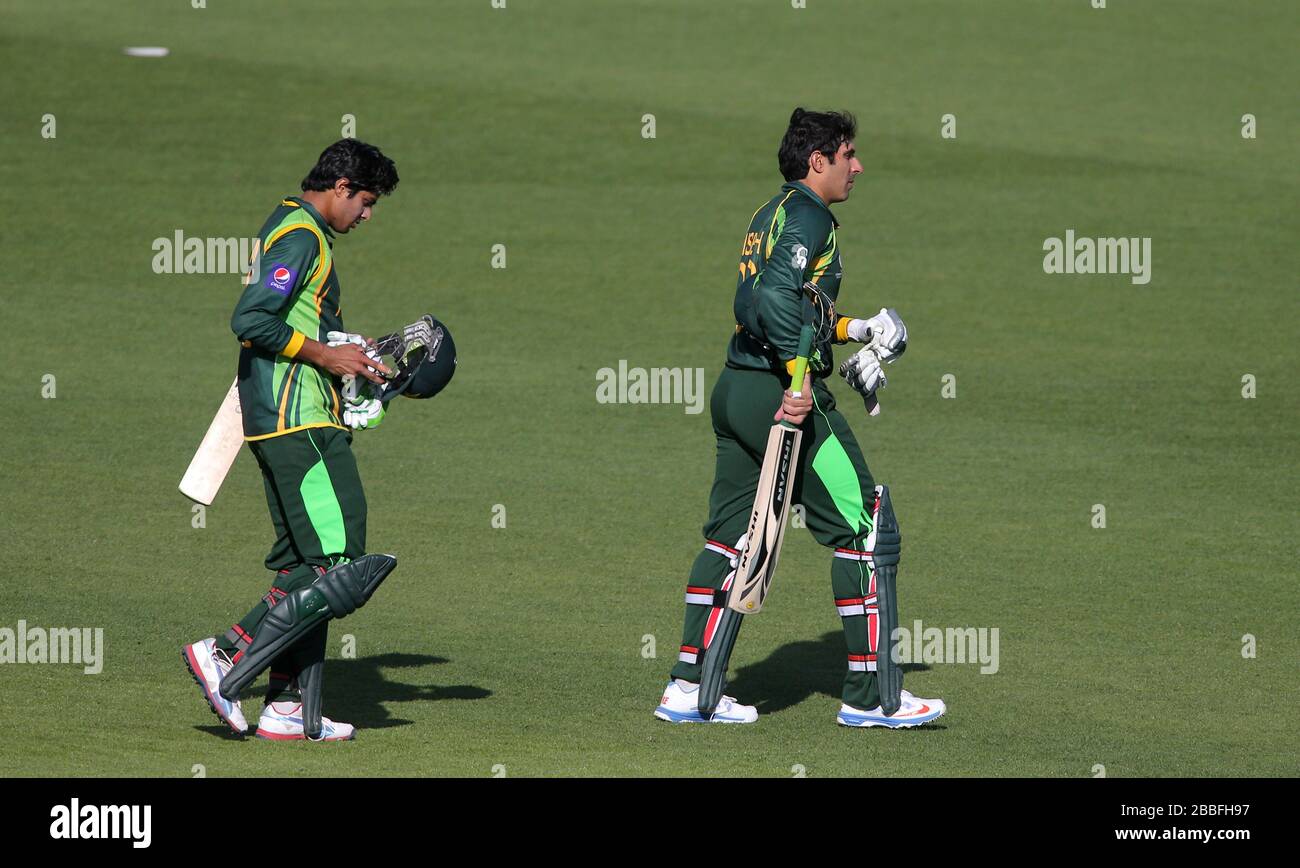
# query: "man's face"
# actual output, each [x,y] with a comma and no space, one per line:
[349,211]
[840,174]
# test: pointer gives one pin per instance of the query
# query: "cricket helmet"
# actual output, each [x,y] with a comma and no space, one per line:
[433,375]
[421,356]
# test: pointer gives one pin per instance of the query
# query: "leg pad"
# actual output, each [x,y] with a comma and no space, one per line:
[885,543]
[337,593]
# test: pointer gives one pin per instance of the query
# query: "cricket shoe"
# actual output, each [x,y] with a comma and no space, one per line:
[680,704]
[209,664]
[282,721]
[911,712]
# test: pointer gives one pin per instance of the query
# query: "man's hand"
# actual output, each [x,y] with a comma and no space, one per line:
[343,359]
[352,390]
[795,410]
[350,360]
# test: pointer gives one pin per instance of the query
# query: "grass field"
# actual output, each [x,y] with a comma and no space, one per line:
[525,646]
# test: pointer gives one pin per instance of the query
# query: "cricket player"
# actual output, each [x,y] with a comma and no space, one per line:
[790,242]
[298,375]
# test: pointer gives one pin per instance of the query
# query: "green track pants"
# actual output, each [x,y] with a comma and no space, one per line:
[318,510]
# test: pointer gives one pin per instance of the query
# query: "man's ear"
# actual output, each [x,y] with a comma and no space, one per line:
[342,188]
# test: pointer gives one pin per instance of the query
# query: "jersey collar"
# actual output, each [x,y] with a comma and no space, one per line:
[800,187]
[314,214]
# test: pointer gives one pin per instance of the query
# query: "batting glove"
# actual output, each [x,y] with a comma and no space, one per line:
[885,332]
[862,371]
[364,414]
[338,339]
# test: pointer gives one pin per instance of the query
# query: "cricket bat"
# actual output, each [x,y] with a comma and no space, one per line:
[767,521]
[211,463]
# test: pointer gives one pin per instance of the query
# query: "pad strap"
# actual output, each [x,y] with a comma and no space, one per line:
[862,662]
[700,595]
[239,637]
[720,548]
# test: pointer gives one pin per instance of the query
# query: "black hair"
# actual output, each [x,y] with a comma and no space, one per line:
[813,131]
[365,167]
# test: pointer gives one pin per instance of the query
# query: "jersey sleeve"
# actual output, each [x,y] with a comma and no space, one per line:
[285,268]
[778,291]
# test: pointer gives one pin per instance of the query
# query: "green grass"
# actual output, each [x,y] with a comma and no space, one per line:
[523,646]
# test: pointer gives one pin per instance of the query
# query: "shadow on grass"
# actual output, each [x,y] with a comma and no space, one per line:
[356,690]
[218,729]
[796,671]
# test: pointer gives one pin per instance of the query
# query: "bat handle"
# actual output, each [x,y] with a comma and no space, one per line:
[801,361]
[796,379]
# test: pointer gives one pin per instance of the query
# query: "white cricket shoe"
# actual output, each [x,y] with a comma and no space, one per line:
[282,721]
[208,665]
[911,712]
[679,705]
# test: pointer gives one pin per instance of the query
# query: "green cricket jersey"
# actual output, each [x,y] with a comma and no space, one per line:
[791,240]
[291,294]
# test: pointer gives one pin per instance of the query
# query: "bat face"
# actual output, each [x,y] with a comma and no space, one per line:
[215,455]
[767,521]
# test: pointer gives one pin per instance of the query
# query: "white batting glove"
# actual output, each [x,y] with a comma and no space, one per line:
[362,414]
[859,330]
[338,339]
[862,371]
[885,332]
[888,334]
